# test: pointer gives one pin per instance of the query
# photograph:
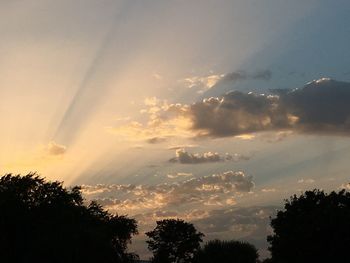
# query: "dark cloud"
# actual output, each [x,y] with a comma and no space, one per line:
[263,75]
[235,113]
[243,75]
[321,107]
[234,76]
[236,81]
[184,157]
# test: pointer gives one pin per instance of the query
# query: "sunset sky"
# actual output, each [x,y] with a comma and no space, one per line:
[210,111]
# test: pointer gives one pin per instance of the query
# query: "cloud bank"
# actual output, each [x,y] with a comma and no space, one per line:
[211,190]
[320,107]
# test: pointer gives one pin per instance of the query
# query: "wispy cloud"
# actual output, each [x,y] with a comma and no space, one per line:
[172,176]
[211,190]
[306,181]
[204,83]
[164,120]
[268,190]
[182,146]
[54,148]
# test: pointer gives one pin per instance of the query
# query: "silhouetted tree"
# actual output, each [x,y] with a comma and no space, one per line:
[44,222]
[174,241]
[314,227]
[227,252]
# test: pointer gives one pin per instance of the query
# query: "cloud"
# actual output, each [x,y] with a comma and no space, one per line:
[156,140]
[321,107]
[263,75]
[56,149]
[210,202]
[188,158]
[166,214]
[236,220]
[204,83]
[277,136]
[182,146]
[157,76]
[184,157]
[243,75]
[246,137]
[306,181]
[216,218]
[151,101]
[268,190]
[211,190]
[164,121]
[235,113]
[172,176]
[345,186]
[250,224]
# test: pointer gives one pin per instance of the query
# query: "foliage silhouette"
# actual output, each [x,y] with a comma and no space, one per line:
[43,222]
[314,227]
[227,252]
[174,240]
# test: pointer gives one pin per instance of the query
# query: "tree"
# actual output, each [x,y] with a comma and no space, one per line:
[174,241]
[314,227]
[44,222]
[227,252]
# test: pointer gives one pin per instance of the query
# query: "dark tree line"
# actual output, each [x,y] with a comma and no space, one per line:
[313,227]
[227,252]
[43,222]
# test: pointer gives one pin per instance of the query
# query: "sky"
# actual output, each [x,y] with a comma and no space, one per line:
[210,111]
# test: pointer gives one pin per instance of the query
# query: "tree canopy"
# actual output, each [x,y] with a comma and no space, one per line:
[314,227]
[174,240]
[227,252]
[44,222]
